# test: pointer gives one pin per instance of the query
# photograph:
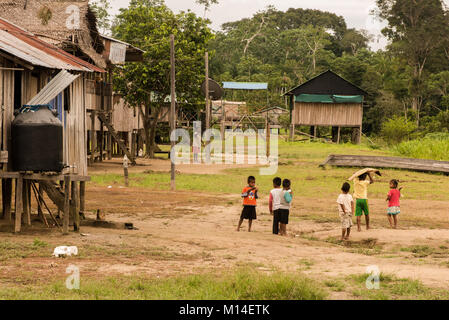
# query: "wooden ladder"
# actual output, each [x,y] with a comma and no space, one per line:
[116,137]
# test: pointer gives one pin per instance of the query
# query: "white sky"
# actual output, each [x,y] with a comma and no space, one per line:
[355,12]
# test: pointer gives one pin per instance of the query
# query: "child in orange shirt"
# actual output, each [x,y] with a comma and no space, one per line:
[249,195]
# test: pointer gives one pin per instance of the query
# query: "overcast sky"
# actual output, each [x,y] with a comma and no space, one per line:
[355,12]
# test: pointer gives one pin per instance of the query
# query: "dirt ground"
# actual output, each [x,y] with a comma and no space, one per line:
[186,233]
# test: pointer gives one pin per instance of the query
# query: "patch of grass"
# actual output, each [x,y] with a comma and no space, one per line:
[11,250]
[241,285]
[335,285]
[393,288]
[367,247]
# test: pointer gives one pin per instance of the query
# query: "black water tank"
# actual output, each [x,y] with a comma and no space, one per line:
[37,140]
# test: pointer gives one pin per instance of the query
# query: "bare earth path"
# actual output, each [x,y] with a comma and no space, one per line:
[183,233]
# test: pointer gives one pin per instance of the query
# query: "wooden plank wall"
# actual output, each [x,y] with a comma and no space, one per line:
[124,119]
[323,114]
[7,104]
[76,135]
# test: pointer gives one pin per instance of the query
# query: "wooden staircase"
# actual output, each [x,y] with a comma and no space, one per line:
[116,137]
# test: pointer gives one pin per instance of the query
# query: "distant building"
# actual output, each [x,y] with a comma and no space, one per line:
[328,100]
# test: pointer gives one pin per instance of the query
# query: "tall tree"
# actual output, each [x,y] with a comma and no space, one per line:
[101,9]
[148,24]
[417,28]
[207,4]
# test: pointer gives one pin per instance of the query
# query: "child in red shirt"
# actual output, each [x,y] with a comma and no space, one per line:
[394,205]
[250,196]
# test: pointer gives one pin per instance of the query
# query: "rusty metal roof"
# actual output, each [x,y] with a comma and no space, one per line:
[27,47]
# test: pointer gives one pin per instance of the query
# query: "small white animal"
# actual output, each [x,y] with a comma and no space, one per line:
[65,251]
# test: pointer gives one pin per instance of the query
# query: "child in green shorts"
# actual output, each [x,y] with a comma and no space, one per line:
[361,184]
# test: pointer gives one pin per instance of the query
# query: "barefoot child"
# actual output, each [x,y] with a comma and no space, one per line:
[346,208]
[249,195]
[275,203]
[394,206]
[361,184]
[284,210]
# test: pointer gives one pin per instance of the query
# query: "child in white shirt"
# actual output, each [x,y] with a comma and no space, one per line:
[346,208]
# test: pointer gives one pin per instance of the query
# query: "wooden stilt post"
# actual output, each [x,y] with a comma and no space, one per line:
[39,206]
[338,135]
[82,198]
[8,199]
[173,105]
[26,202]
[109,146]
[19,204]
[67,185]
[93,136]
[75,206]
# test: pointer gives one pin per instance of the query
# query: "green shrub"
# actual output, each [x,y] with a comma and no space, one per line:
[433,146]
[397,129]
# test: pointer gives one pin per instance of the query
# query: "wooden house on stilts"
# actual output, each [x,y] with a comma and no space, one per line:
[71,26]
[34,70]
[327,100]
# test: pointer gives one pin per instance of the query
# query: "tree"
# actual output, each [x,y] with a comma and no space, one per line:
[207,4]
[417,28]
[101,9]
[148,25]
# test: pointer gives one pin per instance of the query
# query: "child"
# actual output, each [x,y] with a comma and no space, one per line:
[275,203]
[394,206]
[249,195]
[361,184]
[346,208]
[284,210]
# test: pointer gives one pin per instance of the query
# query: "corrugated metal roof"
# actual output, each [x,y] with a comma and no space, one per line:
[61,81]
[29,48]
[245,85]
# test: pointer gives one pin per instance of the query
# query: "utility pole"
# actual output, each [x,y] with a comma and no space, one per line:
[173,108]
[207,92]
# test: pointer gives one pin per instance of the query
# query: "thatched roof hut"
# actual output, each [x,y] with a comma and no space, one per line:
[53,22]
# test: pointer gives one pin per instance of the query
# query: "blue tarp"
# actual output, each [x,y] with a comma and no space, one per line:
[245,85]
[325,98]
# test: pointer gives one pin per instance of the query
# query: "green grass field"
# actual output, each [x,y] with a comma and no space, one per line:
[298,162]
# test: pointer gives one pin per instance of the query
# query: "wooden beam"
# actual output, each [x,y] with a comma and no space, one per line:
[338,135]
[82,198]
[419,165]
[7,197]
[26,202]
[19,204]
[67,184]
[75,206]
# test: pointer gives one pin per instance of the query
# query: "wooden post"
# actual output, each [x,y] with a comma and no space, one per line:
[207,91]
[26,201]
[75,206]
[67,184]
[359,138]
[19,204]
[109,137]
[338,135]
[173,107]
[268,133]
[7,197]
[93,136]
[82,198]
[314,131]
[40,204]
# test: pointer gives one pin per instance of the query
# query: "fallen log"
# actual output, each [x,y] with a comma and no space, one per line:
[419,165]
